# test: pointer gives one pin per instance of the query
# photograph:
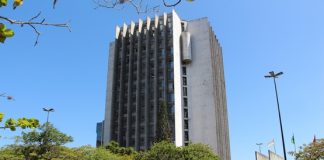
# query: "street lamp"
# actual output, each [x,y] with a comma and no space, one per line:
[48,110]
[259,144]
[274,75]
[5,96]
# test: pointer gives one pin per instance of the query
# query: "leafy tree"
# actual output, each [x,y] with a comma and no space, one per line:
[166,151]
[63,153]
[12,124]
[9,153]
[114,147]
[32,22]
[312,151]
[163,132]
[44,143]
[90,153]
[198,152]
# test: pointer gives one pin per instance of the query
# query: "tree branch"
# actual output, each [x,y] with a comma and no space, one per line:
[33,23]
[171,5]
[141,6]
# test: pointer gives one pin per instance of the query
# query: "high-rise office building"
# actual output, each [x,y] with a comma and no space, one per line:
[166,59]
[100,133]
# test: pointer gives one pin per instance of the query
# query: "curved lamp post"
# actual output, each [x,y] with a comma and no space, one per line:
[274,75]
[48,110]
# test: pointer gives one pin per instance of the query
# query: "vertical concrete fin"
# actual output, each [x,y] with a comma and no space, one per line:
[124,30]
[140,25]
[117,32]
[148,23]
[132,28]
[165,18]
[156,21]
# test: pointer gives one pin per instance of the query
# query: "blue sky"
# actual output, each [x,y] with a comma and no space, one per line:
[67,71]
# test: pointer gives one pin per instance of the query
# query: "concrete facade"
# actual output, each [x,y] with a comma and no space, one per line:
[274,156]
[206,89]
[271,156]
[167,59]
[260,156]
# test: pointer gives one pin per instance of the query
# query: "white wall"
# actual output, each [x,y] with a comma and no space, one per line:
[177,80]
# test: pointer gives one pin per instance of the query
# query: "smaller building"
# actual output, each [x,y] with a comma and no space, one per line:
[271,156]
[100,133]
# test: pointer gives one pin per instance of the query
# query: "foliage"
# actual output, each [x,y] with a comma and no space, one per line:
[90,153]
[43,144]
[166,150]
[5,33]
[163,132]
[159,151]
[312,151]
[12,124]
[23,123]
[9,153]
[198,151]
[114,147]
[16,152]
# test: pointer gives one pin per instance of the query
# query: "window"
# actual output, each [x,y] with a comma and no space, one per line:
[171,97]
[163,52]
[170,64]
[185,91]
[185,113]
[185,102]
[186,136]
[170,87]
[184,70]
[182,26]
[186,124]
[184,81]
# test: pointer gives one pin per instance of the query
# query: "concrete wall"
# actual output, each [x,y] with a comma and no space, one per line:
[108,113]
[206,90]
[202,126]
[178,109]
[260,156]
[274,156]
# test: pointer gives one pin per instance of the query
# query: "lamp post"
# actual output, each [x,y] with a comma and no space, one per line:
[48,110]
[274,75]
[5,96]
[259,144]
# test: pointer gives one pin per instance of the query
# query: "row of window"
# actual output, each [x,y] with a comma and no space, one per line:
[185,106]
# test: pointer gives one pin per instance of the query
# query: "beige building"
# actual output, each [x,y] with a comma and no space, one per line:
[271,156]
[164,58]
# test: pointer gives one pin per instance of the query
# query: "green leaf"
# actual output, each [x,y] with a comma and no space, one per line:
[13,128]
[2,26]
[3,3]
[2,39]
[33,123]
[10,123]
[23,123]
[5,33]
[1,116]
[8,33]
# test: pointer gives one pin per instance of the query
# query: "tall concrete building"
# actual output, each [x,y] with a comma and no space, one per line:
[166,59]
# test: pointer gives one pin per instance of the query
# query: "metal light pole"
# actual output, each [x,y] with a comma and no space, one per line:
[274,75]
[4,95]
[48,110]
[259,144]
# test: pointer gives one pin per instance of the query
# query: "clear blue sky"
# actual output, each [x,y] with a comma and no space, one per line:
[67,71]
